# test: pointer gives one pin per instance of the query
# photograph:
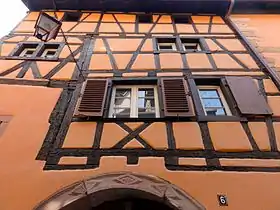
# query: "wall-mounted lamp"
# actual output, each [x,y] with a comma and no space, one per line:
[46,27]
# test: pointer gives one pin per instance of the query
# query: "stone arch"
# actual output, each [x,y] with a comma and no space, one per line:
[93,191]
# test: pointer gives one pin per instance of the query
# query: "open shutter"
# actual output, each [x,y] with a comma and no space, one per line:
[176,98]
[249,100]
[93,98]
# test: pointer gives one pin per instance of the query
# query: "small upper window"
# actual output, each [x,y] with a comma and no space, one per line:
[145,18]
[26,50]
[181,19]
[71,16]
[49,50]
[134,102]
[191,44]
[49,53]
[213,101]
[34,50]
[166,44]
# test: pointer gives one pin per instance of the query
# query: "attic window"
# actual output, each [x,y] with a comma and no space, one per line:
[71,16]
[49,50]
[26,50]
[145,18]
[181,19]
[166,44]
[37,50]
[191,44]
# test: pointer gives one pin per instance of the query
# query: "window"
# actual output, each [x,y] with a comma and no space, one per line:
[134,102]
[213,101]
[48,53]
[26,50]
[166,44]
[191,44]
[181,19]
[145,18]
[49,50]
[71,16]
[34,50]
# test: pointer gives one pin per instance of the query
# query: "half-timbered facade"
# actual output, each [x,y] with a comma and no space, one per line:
[174,109]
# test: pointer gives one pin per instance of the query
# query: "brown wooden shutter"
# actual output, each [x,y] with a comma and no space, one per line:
[93,98]
[249,100]
[176,98]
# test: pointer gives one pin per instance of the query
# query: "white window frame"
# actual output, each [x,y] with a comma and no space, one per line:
[221,95]
[173,45]
[134,99]
[23,53]
[48,50]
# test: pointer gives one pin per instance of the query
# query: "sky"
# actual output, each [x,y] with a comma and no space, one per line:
[11,13]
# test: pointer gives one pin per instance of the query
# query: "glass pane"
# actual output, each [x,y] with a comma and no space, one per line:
[123,92]
[146,103]
[125,112]
[212,103]
[122,102]
[145,92]
[214,112]
[208,93]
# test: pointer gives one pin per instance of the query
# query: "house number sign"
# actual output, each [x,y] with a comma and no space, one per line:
[222,200]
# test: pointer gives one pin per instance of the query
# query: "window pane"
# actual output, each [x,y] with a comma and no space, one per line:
[212,103]
[208,93]
[146,103]
[123,92]
[214,112]
[146,92]
[122,102]
[125,112]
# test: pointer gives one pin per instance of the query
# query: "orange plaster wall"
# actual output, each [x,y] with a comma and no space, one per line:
[24,183]
[30,108]
[262,32]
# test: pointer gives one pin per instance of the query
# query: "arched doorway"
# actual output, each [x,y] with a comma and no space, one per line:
[122,191]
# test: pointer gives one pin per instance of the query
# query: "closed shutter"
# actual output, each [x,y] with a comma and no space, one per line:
[247,96]
[93,98]
[176,97]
